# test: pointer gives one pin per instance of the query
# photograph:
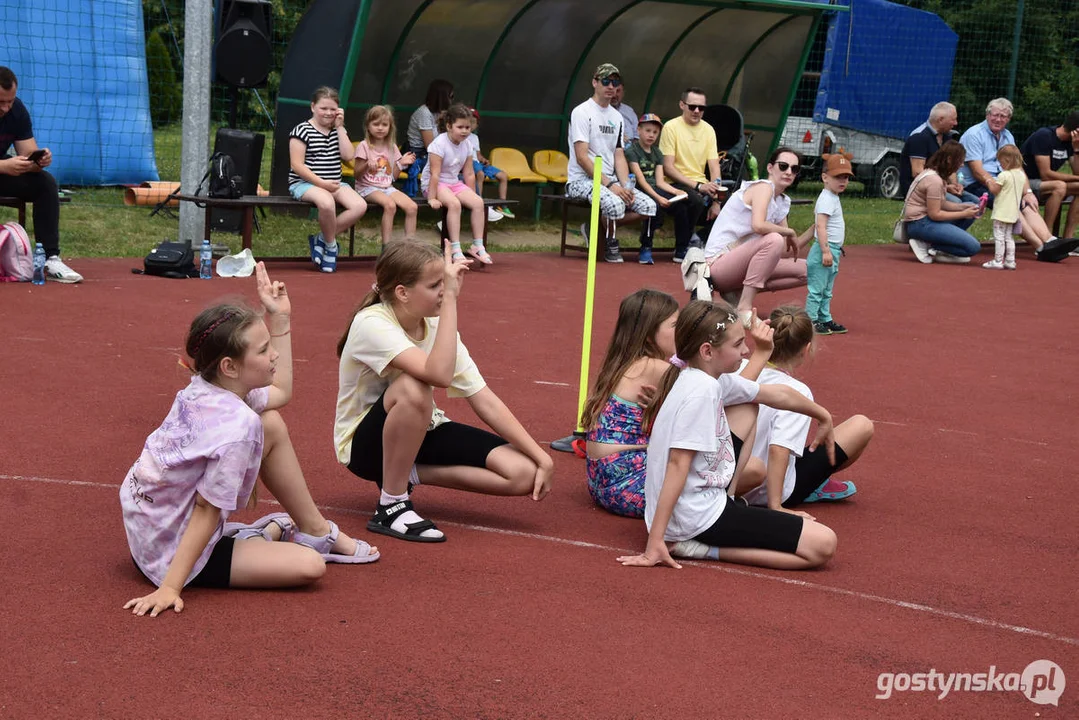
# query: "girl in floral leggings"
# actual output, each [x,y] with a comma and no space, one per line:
[636,359]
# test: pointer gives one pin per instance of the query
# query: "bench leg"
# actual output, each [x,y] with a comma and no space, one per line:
[207,225]
[538,204]
[351,239]
[22,215]
[565,221]
[248,222]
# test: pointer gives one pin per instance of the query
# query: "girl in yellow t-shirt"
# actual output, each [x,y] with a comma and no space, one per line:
[400,345]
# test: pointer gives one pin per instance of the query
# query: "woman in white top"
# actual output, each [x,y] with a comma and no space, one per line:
[423,127]
[751,248]
[400,345]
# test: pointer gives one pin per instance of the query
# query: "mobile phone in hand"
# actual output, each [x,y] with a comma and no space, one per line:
[37,156]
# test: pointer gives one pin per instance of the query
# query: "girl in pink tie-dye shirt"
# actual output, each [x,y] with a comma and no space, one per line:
[223,433]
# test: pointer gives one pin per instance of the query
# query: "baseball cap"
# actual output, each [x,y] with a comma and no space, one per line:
[605,71]
[838,165]
[649,118]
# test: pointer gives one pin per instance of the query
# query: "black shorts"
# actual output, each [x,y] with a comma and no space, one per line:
[217,572]
[742,526]
[450,443]
[810,472]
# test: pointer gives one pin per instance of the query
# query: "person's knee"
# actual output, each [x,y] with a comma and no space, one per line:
[521,475]
[863,427]
[389,210]
[773,242]
[453,204]
[1056,190]
[753,474]
[819,543]
[310,566]
[408,393]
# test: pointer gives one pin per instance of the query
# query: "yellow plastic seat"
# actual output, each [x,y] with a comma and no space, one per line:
[346,167]
[515,165]
[552,164]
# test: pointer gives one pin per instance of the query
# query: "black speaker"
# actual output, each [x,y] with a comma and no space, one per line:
[243,55]
[245,148]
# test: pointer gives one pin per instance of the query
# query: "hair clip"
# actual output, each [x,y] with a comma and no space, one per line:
[374,287]
[677,362]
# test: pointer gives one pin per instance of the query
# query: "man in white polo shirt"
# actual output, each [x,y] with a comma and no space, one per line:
[596,130]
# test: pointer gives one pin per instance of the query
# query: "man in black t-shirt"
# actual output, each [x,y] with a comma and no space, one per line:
[1044,153]
[925,141]
[24,178]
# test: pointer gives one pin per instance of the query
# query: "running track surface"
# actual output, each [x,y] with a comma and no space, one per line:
[958,553]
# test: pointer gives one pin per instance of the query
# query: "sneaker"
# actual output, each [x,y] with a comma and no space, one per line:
[831,490]
[993,265]
[612,254]
[318,248]
[584,233]
[1057,249]
[921,250]
[679,256]
[60,272]
[1009,265]
[695,241]
[329,259]
[644,257]
[822,328]
[493,215]
[835,327]
[943,257]
[694,550]
[506,212]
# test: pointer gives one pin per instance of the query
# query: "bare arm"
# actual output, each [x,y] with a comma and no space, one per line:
[297,152]
[778,458]
[435,163]
[1047,173]
[662,184]
[428,137]
[22,149]
[758,197]
[584,160]
[278,306]
[671,172]
[783,397]
[491,410]
[674,480]
[200,528]
[979,172]
[917,165]
[944,211]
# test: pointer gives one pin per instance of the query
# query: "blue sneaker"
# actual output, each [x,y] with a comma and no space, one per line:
[329,257]
[318,248]
[644,257]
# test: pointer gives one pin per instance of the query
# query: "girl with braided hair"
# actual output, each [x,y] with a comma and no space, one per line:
[792,473]
[222,434]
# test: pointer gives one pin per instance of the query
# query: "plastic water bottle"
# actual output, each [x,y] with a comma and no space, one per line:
[39,265]
[206,259]
[982,202]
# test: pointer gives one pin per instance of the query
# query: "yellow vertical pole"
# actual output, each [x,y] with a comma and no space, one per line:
[589,289]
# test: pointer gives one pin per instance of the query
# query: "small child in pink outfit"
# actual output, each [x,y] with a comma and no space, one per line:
[223,433]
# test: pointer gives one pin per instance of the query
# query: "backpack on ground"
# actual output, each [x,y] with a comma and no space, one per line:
[16,254]
[222,179]
[171,259]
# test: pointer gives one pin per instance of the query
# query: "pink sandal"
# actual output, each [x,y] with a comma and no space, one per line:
[323,545]
[479,252]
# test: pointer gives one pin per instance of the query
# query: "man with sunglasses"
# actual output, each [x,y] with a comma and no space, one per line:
[596,130]
[689,148]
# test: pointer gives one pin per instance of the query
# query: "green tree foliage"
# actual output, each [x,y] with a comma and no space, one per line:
[166,95]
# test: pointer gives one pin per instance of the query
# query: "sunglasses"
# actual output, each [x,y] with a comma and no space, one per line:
[610,82]
[784,167]
[695,108]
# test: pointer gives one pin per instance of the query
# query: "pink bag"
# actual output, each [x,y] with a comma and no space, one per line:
[16,254]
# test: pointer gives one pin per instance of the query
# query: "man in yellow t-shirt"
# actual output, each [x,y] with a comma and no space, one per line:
[689,148]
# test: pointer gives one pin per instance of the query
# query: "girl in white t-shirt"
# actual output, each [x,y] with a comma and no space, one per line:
[378,161]
[448,180]
[222,434]
[792,473]
[400,345]
[692,457]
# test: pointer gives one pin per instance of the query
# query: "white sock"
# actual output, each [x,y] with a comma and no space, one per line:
[477,242]
[455,248]
[695,550]
[403,520]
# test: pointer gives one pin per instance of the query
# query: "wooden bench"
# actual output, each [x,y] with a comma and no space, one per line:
[20,205]
[247,204]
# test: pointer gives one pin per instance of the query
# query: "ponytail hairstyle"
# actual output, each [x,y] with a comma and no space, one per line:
[793,331]
[401,263]
[455,112]
[699,322]
[376,113]
[1009,157]
[639,318]
[215,334]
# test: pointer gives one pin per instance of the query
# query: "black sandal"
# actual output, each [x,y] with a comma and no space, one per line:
[383,519]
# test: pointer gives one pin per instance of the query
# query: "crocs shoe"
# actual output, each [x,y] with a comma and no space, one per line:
[831,490]
[329,258]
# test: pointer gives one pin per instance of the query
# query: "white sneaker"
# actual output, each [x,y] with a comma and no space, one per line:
[1009,264]
[943,257]
[994,265]
[59,272]
[438,225]
[493,215]
[921,250]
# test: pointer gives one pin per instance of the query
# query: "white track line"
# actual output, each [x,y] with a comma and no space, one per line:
[868,597]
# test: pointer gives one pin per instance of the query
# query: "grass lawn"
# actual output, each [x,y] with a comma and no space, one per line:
[96,223]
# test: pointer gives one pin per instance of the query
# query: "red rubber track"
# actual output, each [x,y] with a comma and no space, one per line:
[958,553]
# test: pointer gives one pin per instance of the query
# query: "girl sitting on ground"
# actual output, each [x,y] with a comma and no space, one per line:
[400,344]
[378,162]
[792,473]
[449,159]
[222,434]
[636,359]
[692,457]
[316,148]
